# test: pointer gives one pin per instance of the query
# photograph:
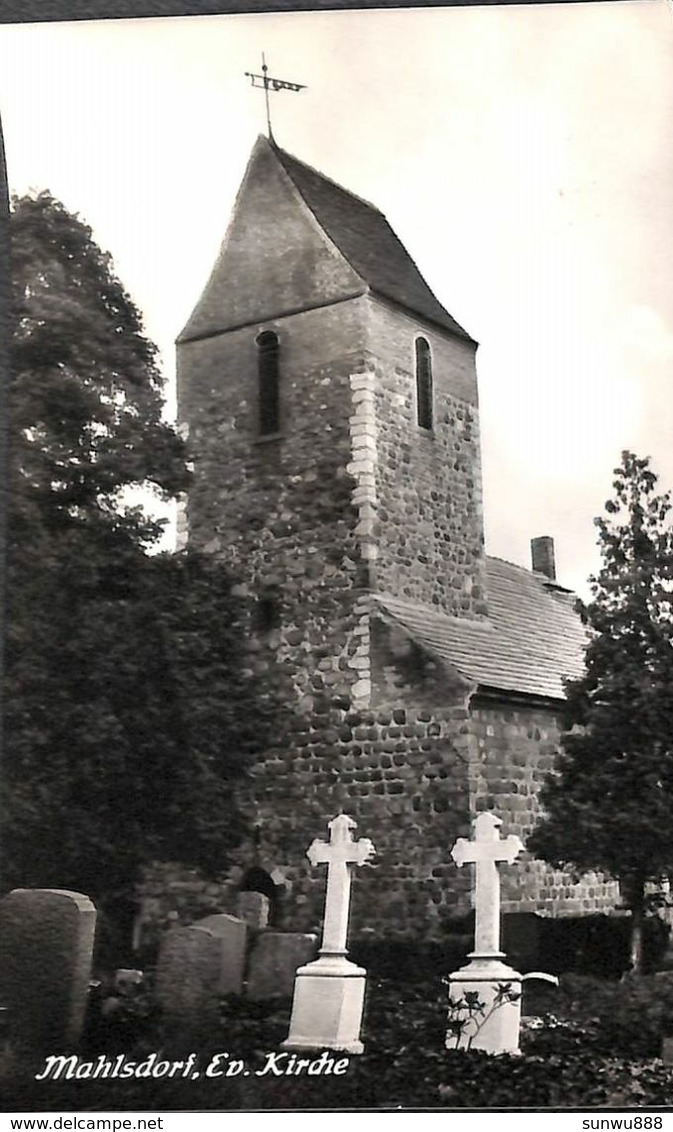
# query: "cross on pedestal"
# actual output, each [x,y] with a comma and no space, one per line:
[340,854]
[485,853]
[329,993]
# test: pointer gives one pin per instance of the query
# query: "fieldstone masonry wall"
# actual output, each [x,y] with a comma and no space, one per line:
[429,522]
[275,498]
[397,773]
[413,779]
[288,528]
[514,749]
[412,775]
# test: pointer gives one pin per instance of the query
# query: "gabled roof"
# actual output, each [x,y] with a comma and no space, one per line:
[532,639]
[364,237]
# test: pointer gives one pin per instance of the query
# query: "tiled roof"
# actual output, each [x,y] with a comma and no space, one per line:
[533,637]
[365,238]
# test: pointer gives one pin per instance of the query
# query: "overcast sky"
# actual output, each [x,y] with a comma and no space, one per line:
[523,156]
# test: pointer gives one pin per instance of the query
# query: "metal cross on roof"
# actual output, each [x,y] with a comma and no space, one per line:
[266,83]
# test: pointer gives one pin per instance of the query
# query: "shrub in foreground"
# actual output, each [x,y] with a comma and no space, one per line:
[566,1062]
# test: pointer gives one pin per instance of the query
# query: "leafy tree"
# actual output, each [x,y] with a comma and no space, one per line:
[128,709]
[4,385]
[87,393]
[608,805]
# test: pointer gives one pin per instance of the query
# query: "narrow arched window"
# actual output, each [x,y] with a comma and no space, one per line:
[423,384]
[268,379]
[266,614]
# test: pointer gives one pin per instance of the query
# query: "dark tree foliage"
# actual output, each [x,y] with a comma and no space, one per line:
[609,803]
[124,680]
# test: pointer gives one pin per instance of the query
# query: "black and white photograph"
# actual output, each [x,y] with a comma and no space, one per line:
[337,718]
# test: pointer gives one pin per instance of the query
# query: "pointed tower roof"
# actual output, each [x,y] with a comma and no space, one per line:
[333,223]
[367,241]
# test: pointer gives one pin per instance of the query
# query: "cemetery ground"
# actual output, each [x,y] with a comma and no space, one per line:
[593,1042]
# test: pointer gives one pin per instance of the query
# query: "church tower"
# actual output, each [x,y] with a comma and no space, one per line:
[331,403]
[331,400]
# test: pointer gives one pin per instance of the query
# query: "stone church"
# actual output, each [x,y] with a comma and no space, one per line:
[332,411]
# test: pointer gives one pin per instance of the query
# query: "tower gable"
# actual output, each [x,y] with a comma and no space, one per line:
[276,258]
[370,245]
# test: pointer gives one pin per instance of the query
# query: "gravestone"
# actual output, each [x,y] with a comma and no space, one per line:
[274,961]
[196,966]
[329,993]
[188,972]
[521,933]
[46,953]
[253,909]
[232,933]
[485,996]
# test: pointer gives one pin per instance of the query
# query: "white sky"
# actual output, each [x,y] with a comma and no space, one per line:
[522,154]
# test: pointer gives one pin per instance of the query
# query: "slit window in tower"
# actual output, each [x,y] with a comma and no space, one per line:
[423,384]
[268,383]
[266,615]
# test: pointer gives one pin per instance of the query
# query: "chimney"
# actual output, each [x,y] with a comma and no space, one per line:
[542,553]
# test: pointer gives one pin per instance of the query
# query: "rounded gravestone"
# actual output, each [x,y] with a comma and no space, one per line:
[46,955]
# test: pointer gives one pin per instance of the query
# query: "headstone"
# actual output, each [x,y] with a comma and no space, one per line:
[253,908]
[188,971]
[197,965]
[274,961]
[485,996]
[232,932]
[329,993]
[521,933]
[46,953]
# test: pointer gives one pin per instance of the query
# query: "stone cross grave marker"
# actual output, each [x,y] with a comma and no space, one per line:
[485,996]
[485,853]
[329,993]
[340,853]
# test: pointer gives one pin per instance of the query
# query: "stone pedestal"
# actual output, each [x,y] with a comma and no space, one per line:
[327,1006]
[329,993]
[484,1006]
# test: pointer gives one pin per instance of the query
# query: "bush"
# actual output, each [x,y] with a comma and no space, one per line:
[586,1056]
[598,945]
[619,1019]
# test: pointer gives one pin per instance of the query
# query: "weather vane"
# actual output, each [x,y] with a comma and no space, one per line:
[265,83]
